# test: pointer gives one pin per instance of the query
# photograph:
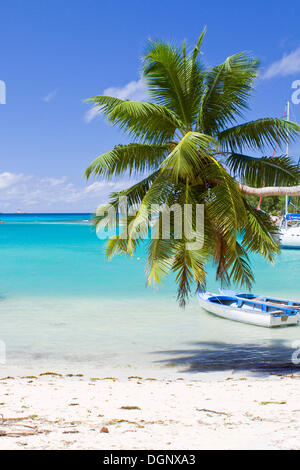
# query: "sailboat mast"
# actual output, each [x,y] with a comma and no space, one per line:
[287,153]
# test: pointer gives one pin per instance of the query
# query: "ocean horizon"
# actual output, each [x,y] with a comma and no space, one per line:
[31,217]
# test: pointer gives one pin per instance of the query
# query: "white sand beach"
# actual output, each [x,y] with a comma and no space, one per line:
[82,412]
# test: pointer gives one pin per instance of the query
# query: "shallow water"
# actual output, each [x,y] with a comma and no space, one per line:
[64,306]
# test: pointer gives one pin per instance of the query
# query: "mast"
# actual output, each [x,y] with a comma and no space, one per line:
[287,153]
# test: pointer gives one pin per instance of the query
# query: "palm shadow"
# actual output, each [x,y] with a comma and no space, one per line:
[273,357]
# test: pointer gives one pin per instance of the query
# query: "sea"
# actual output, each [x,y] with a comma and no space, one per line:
[64,307]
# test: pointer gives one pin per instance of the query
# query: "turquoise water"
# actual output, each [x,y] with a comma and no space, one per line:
[63,305]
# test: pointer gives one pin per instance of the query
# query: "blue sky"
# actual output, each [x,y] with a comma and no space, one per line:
[55,53]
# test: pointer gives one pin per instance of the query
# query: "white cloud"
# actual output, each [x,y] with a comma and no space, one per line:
[54,181]
[98,187]
[31,193]
[287,65]
[91,113]
[134,90]
[50,96]
[9,179]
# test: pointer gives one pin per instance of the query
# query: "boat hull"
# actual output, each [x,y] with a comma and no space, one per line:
[251,317]
[290,237]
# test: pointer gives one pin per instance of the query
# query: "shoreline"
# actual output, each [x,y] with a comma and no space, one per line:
[83,412]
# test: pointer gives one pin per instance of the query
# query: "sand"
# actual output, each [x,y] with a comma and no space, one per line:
[62,412]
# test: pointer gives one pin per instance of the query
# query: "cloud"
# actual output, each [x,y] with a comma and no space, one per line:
[91,114]
[50,96]
[98,187]
[9,179]
[54,181]
[134,90]
[33,194]
[287,65]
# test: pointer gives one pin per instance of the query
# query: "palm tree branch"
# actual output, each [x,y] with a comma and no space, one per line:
[228,87]
[135,158]
[258,134]
[263,171]
[143,120]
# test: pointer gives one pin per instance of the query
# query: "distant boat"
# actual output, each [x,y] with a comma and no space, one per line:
[290,231]
[290,225]
[247,308]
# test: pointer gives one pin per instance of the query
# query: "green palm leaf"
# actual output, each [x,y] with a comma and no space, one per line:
[228,88]
[187,156]
[160,257]
[258,134]
[174,78]
[147,121]
[133,158]
[238,265]
[270,171]
[260,235]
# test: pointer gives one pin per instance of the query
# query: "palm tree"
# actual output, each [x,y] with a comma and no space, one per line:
[190,147]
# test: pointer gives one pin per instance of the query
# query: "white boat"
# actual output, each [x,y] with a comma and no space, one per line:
[290,225]
[249,309]
[290,231]
[294,304]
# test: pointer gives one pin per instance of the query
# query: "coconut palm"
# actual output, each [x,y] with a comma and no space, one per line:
[190,146]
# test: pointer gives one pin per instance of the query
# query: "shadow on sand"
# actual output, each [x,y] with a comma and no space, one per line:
[271,357]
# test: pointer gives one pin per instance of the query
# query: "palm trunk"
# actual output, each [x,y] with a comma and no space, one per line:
[270,191]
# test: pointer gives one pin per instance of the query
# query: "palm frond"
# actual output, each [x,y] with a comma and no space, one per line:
[135,158]
[174,78]
[147,121]
[185,158]
[260,235]
[104,104]
[155,197]
[258,134]
[228,88]
[224,205]
[135,194]
[238,265]
[189,267]
[160,256]
[116,246]
[270,171]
